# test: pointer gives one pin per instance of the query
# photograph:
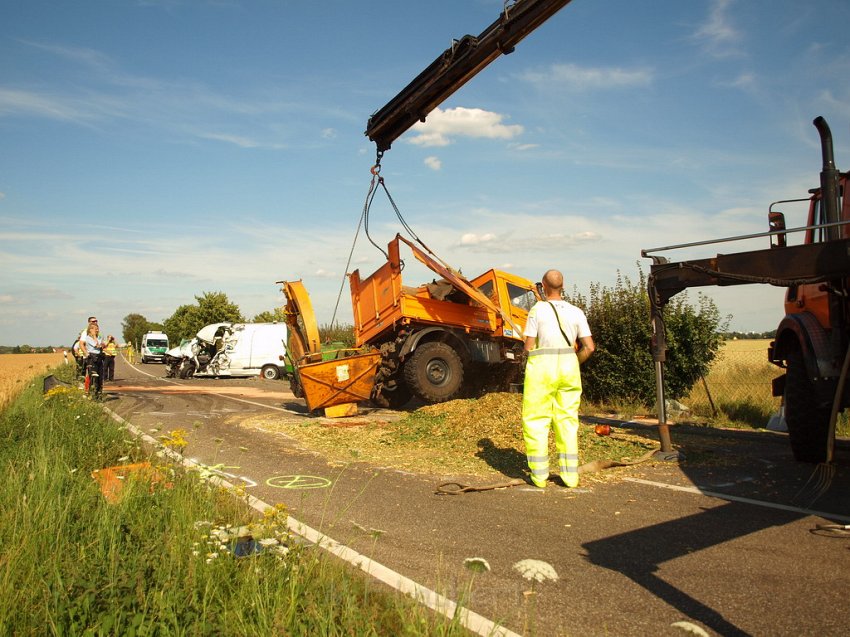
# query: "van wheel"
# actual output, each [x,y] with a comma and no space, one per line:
[270,372]
[434,372]
[808,422]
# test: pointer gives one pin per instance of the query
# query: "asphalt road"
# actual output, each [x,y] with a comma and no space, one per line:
[728,545]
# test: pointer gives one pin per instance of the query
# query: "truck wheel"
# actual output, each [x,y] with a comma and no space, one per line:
[808,422]
[395,396]
[270,372]
[434,372]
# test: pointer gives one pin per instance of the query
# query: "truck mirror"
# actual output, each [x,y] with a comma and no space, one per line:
[776,220]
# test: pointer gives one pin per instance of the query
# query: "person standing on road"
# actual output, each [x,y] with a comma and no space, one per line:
[91,348]
[109,352]
[557,341]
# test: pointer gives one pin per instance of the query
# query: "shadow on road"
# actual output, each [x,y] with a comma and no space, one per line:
[638,554]
[506,461]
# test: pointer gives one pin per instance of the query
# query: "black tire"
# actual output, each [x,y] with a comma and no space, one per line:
[434,372]
[808,422]
[394,394]
[270,372]
[185,370]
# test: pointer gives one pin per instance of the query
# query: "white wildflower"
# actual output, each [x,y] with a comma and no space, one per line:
[268,542]
[476,564]
[536,570]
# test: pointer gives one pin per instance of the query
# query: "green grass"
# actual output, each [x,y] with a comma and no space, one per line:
[151,564]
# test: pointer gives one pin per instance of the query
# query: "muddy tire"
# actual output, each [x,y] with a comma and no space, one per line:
[394,394]
[434,372]
[808,422]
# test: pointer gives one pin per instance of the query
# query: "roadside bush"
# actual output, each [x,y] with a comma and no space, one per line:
[622,369]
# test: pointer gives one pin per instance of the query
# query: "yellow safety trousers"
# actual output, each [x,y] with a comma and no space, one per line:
[551,397]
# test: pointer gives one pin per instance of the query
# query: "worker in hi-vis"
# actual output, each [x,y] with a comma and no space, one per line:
[557,341]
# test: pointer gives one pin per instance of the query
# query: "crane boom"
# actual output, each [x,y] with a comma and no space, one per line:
[456,66]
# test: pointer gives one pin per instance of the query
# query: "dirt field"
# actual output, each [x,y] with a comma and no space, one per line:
[17,369]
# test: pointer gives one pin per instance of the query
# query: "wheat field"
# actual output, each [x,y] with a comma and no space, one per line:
[17,369]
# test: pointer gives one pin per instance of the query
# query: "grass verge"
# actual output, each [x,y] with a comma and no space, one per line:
[159,560]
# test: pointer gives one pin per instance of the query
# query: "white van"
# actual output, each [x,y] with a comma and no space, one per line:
[232,349]
[154,347]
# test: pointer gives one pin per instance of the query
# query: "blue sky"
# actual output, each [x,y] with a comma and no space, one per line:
[154,150]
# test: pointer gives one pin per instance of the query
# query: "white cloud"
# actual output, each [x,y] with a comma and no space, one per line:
[589,79]
[242,142]
[433,162]
[328,133]
[442,125]
[471,238]
[718,37]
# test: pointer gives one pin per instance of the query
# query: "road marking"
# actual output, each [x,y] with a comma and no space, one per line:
[470,620]
[241,400]
[737,498]
[298,482]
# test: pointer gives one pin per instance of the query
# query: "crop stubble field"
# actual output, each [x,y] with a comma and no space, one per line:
[18,369]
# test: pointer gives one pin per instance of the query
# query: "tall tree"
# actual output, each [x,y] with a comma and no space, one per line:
[276,315]
[211,307]
[134,327]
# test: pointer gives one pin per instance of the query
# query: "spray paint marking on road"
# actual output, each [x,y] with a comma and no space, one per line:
[207,471]
[298,482]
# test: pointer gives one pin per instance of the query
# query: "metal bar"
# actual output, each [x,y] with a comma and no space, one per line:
[757,235]
[456,66]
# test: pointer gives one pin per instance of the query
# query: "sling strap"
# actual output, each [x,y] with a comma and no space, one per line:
[558,318]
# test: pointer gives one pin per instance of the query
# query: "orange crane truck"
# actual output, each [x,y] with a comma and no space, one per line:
[812,341]
[435,341]
[440,339]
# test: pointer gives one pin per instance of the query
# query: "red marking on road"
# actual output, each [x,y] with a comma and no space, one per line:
[251,392]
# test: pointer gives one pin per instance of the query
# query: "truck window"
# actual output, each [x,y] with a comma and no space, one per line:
[486,289]
[156,342]
[520,297]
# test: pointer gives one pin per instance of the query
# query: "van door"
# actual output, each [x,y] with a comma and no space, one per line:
[240,355]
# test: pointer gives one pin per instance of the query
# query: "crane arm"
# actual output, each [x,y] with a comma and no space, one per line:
[456,66]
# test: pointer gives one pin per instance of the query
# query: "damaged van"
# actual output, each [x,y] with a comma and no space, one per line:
[231,349]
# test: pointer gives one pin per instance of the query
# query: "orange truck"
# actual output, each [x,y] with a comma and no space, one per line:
[437,341]
[812,341]
[442,339]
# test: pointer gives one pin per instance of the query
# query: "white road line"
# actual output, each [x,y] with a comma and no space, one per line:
[736,498]
[471,620]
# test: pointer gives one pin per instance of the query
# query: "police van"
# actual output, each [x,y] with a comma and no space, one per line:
[154,346]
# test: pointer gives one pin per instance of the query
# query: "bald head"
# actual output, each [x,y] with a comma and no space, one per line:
[554,280]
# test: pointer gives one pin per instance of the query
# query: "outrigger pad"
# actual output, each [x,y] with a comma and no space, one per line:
[50,382]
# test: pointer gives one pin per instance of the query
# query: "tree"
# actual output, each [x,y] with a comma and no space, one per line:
[276,315]
[133,327]
[211,307]
[622,368]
